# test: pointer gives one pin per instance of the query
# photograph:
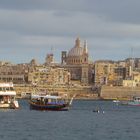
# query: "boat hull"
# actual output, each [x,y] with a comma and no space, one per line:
[8,106]
[132,103]
[49,107]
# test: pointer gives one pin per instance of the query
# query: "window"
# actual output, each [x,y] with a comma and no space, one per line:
[85,59]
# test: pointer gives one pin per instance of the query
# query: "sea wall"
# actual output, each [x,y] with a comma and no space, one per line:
[80,92]
[108,92]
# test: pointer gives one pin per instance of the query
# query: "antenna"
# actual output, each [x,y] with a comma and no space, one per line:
[132,58]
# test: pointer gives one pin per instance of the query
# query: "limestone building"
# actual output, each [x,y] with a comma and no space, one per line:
[49,59]
[49,75]
[14,73]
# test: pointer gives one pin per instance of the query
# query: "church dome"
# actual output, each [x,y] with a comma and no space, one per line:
[78,55]
[33,62]
[76,51]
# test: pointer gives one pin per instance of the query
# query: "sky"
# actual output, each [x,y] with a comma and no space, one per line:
[30,29]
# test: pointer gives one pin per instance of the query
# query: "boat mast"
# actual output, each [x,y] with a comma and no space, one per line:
[70,103]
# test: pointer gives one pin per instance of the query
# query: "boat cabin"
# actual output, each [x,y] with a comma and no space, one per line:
[137,99]
[7,96]
[48,99]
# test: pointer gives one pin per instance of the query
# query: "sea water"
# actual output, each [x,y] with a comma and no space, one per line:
[81,122]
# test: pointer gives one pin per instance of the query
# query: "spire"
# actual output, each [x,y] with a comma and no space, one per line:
[85,48]
[77,42]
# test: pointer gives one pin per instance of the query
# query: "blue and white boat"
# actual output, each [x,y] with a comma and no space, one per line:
[134,102]
[49,102]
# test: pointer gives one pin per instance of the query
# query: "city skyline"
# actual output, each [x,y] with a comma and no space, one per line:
[31,28]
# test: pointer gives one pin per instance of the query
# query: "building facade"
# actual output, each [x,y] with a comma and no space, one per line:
[49,76]
[14,73]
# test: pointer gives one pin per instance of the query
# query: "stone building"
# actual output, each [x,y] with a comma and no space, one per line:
[49,76]
[104,72]
[49,59]
[76,62]
[111,72]
[14,73]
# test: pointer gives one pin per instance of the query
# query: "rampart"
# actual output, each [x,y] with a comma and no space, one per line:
[80,92]
[119,92]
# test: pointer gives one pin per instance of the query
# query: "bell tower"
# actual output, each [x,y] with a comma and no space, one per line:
[63,57]
[77,42]
[84,76]
[85,53]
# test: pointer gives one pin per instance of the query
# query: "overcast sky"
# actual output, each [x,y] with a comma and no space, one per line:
[30,28]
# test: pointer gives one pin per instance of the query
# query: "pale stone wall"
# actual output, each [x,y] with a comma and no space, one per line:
[80,92]
[108,92]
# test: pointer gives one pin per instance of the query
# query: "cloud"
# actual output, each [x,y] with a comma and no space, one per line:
[36,25]
[118,11]
[48,23]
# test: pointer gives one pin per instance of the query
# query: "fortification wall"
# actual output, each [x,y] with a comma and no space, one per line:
[80,92]
[119,92]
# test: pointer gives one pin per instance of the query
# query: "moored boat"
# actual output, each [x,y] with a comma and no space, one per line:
[134,102]
[8,96]
[116,101]
[49,102]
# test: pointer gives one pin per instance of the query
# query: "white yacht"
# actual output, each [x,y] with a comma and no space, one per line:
[7,96]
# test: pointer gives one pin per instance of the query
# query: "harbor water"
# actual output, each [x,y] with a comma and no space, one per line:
[81,122]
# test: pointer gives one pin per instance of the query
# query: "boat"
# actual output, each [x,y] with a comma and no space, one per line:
[134,102]
[115,101]
[8,96]
[49,102]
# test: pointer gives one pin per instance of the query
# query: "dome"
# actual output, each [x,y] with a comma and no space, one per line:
[33,62]
[78,55]
[76,51]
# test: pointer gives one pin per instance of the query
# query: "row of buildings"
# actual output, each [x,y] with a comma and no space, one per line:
[74,67]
